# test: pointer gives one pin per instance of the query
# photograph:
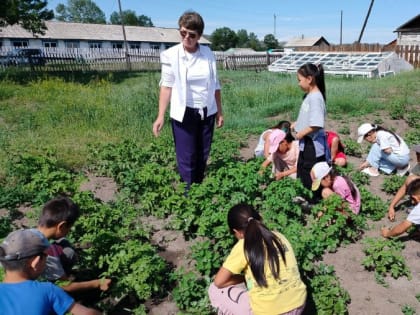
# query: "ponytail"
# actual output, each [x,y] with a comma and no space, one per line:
[260,244]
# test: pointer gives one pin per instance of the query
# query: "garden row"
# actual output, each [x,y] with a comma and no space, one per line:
[116,244]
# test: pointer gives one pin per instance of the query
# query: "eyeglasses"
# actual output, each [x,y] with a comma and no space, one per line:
[191,35]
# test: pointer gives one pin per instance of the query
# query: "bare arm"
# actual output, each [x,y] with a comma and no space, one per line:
[102,284]
[399,195]
[79,309]
[334,147]
[219,116]
[306,131]
[285,173]
[266,143]
[225,278]
[164,98]
[396,230]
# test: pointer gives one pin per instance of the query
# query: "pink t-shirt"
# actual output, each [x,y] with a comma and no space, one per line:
[341,188]
[291,156]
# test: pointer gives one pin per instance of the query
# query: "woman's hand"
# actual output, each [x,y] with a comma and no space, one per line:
[219,120]
[158,125]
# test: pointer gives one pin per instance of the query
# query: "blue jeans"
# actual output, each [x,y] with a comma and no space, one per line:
[385,162]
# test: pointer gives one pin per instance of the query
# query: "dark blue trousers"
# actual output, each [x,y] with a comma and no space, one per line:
[193,137]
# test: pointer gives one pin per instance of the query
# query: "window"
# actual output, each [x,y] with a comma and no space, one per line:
[117,45]
[72,44]
[135,45]
[95,45]
[155,46]
[50,44]
[20,43]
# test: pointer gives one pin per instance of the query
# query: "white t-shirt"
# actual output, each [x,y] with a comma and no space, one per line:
[414,216]
[387,140]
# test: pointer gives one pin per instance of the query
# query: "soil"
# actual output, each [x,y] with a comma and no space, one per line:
[367,296]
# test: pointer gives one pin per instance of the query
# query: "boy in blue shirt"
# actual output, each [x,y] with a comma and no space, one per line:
[23,255]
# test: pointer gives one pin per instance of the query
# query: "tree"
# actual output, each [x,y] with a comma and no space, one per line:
[130,18]
[30,14]
[83,11]
[223,39]
[270,41]
[145,21]
[243,39]
[253,42]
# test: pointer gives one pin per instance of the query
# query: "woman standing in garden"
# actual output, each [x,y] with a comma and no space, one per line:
[260,275]
[388,152]
[310,123]
[189,82]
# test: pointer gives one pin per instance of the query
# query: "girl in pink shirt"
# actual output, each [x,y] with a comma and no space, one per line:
[331,183]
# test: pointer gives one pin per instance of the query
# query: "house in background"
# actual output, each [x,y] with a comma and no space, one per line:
[83,35]
[306,42]
[409,32]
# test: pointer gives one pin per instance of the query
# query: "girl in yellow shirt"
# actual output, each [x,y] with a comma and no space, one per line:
[260,276]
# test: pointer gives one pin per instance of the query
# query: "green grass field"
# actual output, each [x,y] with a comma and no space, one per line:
[67,113]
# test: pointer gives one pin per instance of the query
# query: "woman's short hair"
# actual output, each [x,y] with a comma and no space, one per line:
[192,20]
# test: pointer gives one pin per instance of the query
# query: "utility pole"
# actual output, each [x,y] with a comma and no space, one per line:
[341,28]
[274,25]
[366,19]
[127,56]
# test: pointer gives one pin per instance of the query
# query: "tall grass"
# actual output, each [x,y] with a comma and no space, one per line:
[67,113]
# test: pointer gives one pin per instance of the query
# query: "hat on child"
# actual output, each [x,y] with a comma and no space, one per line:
[318,172]
[275,137]
[363,130]
[22,244]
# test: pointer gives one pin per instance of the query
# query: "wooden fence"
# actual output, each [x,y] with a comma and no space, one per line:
[76,59]
[410,54]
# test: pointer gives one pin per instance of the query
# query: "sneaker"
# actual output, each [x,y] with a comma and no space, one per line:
[402,171]
[370,172]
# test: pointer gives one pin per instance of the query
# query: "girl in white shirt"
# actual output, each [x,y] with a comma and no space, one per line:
[388,152]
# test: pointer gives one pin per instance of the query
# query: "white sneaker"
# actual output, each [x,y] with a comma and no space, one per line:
[368,171]
[402,171]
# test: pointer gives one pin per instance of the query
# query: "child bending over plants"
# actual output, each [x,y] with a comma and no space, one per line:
[413,217]
[23,255]
[57,217]
[414,174]
[283,154]
[338,157]
[260,275]
[323,175]
[261,149]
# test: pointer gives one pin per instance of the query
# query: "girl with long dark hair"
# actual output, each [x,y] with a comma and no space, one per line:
[310,123]
[260,275]
[388,152]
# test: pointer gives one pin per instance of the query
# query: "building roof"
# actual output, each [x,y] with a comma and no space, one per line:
[97,32]
[412,25]
[306,42]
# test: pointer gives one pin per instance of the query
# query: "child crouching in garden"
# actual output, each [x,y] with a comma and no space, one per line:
[323,175]
[283,154]
[260,275]
[23,255]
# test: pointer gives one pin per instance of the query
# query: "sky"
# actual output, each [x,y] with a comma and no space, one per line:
[286,19]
